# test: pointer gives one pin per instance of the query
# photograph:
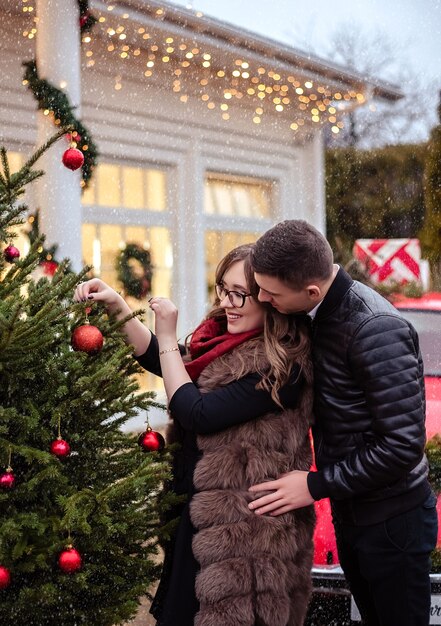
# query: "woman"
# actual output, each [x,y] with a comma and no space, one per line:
[241,403]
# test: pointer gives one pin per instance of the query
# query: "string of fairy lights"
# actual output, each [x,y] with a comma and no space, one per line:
[193,71]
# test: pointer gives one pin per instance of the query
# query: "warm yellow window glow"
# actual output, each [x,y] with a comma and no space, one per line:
[108,185]
[217,244]
[88,195]
[87,239]
[237,197]
[15,160]
[112,237]
[101,246]
[127,187]
[132,188]
[156,190]
[227,196]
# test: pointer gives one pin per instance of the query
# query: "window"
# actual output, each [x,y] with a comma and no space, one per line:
[217,244]
[240,197]
[127,187]
[102,243]
[238,210]
[137,199]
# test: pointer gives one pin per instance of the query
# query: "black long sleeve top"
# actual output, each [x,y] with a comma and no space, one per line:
[235,403]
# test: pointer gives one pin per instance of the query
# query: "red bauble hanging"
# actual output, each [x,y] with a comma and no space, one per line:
[7,479]
[49,267]
[84,18]
[5,577]
[73,158]
[69,560]
[151,441]
[60,448]
[11,253]
[87,338]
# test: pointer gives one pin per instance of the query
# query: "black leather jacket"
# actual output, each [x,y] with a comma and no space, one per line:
[369,408]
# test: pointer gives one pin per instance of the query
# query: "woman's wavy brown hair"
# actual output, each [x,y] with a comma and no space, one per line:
[286,339]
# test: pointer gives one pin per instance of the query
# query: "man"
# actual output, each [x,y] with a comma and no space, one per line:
[369,433]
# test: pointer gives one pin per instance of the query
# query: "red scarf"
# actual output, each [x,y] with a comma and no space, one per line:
[208,342]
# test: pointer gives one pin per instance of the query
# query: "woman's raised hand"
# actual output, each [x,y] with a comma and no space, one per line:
[98,291]
[166,317]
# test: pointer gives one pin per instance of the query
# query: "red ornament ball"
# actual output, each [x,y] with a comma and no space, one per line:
[73,158]
[151,441]
[11,253]
[49,267]
[60,448]
[7,480]
[87,338]
[84,19]
[5,577]
[69,560]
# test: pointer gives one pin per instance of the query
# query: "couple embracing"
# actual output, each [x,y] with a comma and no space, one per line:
[291,342]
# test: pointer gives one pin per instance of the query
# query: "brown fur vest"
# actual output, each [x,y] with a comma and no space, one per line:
[255,570]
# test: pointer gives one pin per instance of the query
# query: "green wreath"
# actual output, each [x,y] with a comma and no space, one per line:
[136,278]
[55,100]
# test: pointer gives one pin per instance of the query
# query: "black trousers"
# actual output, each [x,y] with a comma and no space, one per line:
[175,602]
[387,566]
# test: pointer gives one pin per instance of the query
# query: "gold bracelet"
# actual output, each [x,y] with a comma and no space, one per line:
[168,350]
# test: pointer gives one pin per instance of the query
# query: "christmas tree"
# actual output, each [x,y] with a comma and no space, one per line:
[79,498]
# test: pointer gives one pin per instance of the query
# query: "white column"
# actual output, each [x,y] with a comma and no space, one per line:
[313,182]
[189,279]
[59,192]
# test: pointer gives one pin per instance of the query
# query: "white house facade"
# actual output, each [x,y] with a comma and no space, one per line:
[207,134]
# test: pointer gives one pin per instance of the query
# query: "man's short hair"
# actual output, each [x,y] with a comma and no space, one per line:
[294,252]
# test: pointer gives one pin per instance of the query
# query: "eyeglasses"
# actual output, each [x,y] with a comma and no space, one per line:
[236,298]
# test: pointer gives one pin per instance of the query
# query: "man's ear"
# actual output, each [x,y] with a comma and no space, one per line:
[314,292]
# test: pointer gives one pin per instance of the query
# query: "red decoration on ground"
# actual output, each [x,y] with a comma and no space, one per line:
[60,448]
[151,441]
[87,338]
[73,158]
[7,479]
[69,560]
[5,577]
[11,253]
